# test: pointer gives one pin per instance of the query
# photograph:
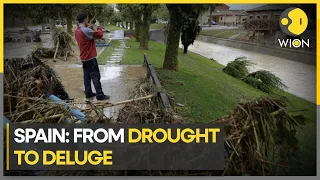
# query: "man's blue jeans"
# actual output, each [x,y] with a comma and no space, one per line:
[91,72]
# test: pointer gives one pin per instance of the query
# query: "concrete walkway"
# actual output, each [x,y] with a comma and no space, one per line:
[119,81]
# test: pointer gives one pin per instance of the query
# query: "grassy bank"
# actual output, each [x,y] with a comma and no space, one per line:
[157,26]
[221,33]
[111,27]
[107,52]
[207,94]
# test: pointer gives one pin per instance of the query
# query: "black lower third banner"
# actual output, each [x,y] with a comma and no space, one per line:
[114,147]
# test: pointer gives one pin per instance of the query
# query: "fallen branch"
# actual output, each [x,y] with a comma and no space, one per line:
[55,53]
[105,104]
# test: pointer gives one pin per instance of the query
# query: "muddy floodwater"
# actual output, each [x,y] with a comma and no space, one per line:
[299,77]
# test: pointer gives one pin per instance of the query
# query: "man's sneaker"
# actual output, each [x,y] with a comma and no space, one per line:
[91,95]
[105,97]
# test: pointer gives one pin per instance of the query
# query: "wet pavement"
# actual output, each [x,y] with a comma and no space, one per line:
[114,78]
[118,81]
[299,77]
[22,49]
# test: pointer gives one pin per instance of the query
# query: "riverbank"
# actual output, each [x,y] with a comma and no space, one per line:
[293,54]
[204,93]
[296,75]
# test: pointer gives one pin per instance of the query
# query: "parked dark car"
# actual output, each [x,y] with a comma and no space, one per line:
[213,23]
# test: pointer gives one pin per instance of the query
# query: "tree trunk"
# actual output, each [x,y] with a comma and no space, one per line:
[53,23]
[185,49]
[69,23]
[131,25]
[61,22]
[24,24]
[210,17]
[144,38]
[14,22]
[137,31]
[127,25]
[43,28]
[173,38]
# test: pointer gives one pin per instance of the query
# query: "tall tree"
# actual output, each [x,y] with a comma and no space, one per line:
[176,12]
[135,12]
[162,13]
[67,11]
[42,12]
[191,27]
[95,11]
[20,11]
[106,14]
[116,18]
[148,9]
[210,8]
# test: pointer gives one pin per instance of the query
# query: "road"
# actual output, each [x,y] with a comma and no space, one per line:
[299,77]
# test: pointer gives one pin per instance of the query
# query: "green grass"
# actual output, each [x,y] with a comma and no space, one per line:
[199,84]
[111,27]
[208,94]
[107,52]
[221,33]
[157,26]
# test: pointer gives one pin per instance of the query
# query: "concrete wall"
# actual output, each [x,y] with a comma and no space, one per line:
[229,19]
[157,35]
[291,54]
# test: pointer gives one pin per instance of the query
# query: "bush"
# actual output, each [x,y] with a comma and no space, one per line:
[256,83]
[238,68]
[265,81]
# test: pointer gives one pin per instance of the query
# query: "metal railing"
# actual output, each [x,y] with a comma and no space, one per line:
[152,76]
[261,24]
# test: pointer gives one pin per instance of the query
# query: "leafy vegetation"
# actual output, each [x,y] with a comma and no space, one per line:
[260,134]
[190,29]
[265,81]
[207,94]
[63,42]
[157,26]
[238,68]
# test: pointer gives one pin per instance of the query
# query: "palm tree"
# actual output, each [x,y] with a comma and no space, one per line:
[210,8]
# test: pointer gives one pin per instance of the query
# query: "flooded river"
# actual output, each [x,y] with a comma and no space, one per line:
[299,77]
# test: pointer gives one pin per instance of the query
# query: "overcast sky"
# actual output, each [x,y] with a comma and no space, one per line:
[243,6]
[234,6]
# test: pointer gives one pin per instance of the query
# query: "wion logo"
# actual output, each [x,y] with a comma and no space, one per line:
[293,22]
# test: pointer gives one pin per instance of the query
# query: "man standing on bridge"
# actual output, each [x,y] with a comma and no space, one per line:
[85,35]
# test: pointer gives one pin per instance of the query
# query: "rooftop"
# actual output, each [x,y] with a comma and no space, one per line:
[230,12]
[276,7]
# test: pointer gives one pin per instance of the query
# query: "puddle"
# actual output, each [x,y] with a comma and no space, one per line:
[111,72]
[118,81]
[118,34]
